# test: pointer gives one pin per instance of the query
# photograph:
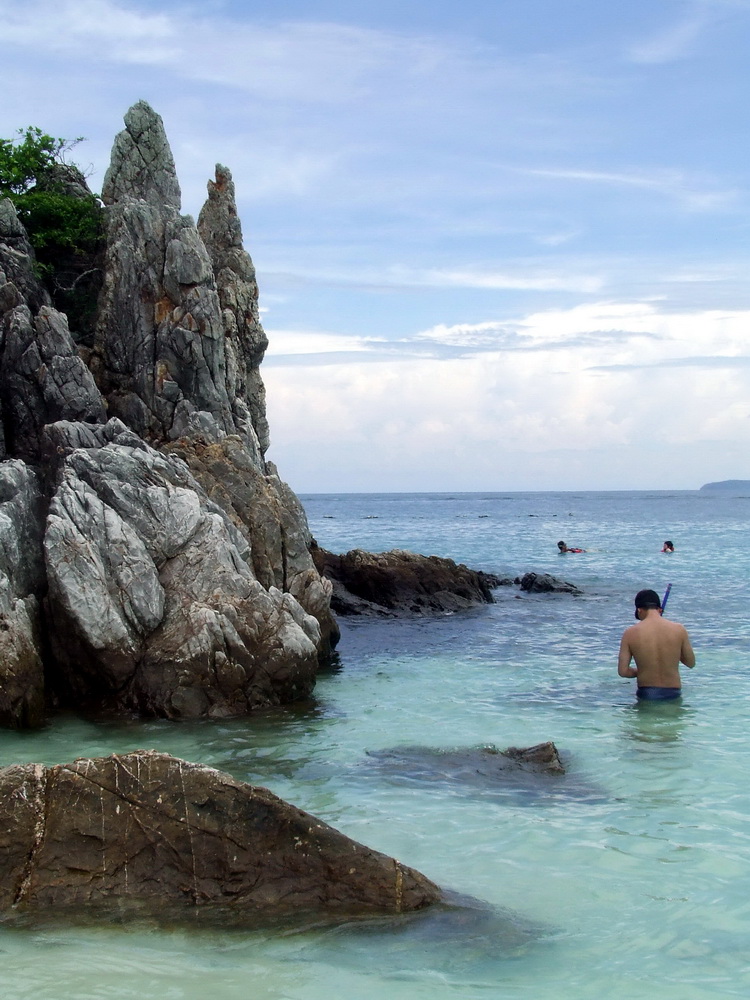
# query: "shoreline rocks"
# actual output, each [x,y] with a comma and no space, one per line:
[400,583]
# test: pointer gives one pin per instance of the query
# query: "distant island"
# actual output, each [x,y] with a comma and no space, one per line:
[728,484]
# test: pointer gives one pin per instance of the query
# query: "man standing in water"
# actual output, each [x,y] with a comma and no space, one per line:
[658,647]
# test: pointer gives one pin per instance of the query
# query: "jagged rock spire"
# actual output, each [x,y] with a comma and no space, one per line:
[142,163]
[220,229]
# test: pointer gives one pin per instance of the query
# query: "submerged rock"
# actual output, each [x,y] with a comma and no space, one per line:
[533,776]
[541,759]
[472,762]
[145,835]
[399,582]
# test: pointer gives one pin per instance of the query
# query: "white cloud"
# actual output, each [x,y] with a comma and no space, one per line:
[88,27]
[482,278]
[693,193]
[306,61]
[525,277]
[309,342]
[574,413]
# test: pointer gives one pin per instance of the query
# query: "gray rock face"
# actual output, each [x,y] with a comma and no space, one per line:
[177,570]
[142,162]
[21,581]
[221,232]
[148,835]
[18,283]
[42,379]
[159,345]
[178,339]
[270,517]
[154,603]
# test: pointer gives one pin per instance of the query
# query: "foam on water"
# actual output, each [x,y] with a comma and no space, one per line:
[628,877]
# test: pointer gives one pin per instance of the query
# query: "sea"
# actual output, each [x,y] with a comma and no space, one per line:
[627,878]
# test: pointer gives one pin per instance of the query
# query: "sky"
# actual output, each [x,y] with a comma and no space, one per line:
[501,245]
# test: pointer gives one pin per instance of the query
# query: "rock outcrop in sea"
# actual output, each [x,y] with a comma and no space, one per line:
[151,559]
[544,583]
[394,583]
[146,835]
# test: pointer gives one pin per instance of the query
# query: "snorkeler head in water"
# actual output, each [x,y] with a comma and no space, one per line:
[564,548]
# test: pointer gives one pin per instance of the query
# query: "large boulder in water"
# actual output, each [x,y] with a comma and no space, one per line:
[146,835]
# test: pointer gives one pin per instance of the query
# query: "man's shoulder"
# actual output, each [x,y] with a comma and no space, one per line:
[675,626]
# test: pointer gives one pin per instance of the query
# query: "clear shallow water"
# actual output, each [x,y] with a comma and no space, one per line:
[628,878]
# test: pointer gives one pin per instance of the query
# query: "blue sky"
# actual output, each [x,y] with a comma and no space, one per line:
[502,245]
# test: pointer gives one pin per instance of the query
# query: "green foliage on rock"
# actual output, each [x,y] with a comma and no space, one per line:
[63,218]
[26,159]
[60,226]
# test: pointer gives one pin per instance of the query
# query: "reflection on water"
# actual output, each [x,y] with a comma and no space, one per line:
[461,934]
[657,721]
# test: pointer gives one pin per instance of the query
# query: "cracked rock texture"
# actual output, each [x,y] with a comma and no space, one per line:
[148,835]
[169,567]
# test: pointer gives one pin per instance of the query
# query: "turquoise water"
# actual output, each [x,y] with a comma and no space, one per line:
[627,878]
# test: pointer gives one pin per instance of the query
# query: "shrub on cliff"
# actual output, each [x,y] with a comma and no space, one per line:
[62,217]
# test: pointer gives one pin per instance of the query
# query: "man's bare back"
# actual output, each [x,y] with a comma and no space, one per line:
[658,646]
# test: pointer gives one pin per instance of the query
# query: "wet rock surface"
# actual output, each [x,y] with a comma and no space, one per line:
[401,583]
[544,583]
[146,835]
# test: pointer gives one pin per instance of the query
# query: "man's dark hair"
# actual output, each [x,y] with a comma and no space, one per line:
[647,599]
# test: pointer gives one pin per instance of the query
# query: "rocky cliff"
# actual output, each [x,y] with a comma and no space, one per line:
[151,560]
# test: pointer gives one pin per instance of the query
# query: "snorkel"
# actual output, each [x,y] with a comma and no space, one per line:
[666,597]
